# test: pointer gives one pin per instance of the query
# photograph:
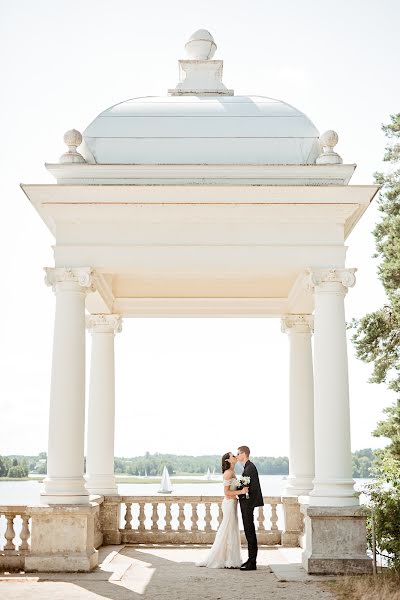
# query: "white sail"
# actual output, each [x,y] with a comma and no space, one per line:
[208,476]
[166,485]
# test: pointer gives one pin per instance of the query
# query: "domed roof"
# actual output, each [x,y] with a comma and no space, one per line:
[202,129]
[201,122]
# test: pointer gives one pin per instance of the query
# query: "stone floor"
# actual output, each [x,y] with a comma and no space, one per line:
[169,573]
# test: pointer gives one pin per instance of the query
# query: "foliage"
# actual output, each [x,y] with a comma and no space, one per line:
[18,466]
[362,463]
[377,341]
[385,504]
[41,468]
[16,471]
[3,467]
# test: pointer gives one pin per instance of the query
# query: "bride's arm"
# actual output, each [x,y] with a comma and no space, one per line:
[231,493]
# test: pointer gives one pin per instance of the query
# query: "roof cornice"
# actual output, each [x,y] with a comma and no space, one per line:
[148,174]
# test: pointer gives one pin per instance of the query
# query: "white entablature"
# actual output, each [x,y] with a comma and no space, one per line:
[200,250]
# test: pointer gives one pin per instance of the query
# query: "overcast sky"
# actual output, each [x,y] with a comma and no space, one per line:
[183,385]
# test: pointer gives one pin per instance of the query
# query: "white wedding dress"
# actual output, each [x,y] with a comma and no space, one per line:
[225,551]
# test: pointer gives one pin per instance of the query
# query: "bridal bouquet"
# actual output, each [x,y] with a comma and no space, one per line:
[242,482]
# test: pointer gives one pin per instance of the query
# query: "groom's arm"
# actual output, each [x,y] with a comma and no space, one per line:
[254,481]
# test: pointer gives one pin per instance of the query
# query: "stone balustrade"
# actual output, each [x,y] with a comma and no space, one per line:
[14,536]
[190,520]
[146,520]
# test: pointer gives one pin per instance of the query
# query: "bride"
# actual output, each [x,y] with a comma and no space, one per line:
[225,551]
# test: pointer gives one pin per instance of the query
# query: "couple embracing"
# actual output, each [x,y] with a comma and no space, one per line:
[225,551]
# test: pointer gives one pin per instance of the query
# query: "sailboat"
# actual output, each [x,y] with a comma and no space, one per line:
[213,474]
[166,485]
[145,473]
[208,476]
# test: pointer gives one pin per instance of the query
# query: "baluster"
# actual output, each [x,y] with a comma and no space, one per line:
[154,517]
[195,517]
[128,515]
[24,535]
[181,516]
[10,533]
[168,516]
[207,518]
[261,519]
[274,517]
[142,517]
[219,514]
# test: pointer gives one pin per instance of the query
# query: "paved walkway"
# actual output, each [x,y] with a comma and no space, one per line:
[169,573]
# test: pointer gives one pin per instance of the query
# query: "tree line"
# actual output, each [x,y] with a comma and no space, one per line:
[153,464]
[17,466]
[13,467]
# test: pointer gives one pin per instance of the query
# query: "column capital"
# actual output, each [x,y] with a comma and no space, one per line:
[82,276]
[104,323]
[297,323]
[322,279]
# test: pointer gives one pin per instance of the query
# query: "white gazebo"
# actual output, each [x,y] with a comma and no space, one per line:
[203,203]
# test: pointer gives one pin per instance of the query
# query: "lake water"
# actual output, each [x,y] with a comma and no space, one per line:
[28,492]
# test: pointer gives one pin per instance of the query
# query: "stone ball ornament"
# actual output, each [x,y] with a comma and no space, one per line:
[328,141]
[73,139]
[201,45]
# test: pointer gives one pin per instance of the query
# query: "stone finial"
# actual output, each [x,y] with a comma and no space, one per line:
[200,75]
[328,141]
[72,139]
[201,45]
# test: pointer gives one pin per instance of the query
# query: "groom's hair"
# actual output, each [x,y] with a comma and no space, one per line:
[244,449]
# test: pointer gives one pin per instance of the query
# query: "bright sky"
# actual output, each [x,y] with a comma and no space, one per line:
[183,386]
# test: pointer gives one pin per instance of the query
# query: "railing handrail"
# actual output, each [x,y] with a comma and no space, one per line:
[18,509]
[123,498]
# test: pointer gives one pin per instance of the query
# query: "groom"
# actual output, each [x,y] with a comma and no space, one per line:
[247,506]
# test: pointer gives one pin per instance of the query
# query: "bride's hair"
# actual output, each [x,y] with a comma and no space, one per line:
[225,464]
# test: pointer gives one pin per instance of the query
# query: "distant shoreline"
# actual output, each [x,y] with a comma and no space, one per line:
[200,478]
[120,478]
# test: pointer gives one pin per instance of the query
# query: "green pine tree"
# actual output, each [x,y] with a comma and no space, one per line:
[377,341]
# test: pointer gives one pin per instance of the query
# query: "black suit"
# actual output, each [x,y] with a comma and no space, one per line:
[247,507]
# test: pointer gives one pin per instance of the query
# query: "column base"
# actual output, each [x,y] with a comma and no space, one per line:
[298,486]
[337,566]
[334,492]
[335,540]
[50,563]
[101,485]
[64,490]
[62,538]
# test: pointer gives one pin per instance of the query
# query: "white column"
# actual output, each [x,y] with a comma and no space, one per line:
[64,483]
[333,483]
[100,477]
[301,405]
